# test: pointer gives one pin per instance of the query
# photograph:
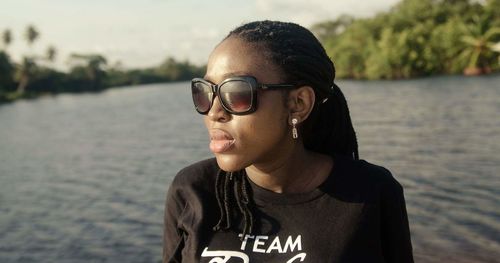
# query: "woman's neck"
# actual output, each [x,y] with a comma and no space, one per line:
[300,171]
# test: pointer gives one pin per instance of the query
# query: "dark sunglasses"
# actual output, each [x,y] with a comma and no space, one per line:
[237,95]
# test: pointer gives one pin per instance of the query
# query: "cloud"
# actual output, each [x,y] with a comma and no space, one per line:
[309,12]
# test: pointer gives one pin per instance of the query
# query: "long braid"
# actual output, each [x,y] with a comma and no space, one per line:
[224,197]
[246,194]
[237,182]
[227,200]
[328,129]
[219,189]
[337,135]
[239,190]
[351,143]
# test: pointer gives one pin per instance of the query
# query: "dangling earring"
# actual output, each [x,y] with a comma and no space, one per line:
[295,135]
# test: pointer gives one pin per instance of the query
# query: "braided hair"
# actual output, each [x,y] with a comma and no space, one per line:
[327,130]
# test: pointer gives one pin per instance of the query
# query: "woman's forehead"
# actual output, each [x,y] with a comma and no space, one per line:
[235,57]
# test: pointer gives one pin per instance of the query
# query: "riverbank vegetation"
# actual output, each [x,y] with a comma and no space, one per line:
[34,76]
[416,38]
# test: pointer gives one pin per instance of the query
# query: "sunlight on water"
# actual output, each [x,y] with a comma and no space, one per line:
[83,177]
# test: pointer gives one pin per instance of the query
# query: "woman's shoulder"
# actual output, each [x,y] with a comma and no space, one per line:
[193,182]
[201,172]
[366,176]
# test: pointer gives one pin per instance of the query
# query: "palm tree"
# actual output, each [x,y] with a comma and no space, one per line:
[479,45]
[27,68]
[31,34]
[6,38]
[51,54]
[25,73]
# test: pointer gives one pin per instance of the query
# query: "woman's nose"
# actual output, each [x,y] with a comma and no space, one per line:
[217,112]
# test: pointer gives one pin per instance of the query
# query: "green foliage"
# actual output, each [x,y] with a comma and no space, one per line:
[88,73]
[327,29]
[479,37]
[88,70]
[415,38]
[354,45]
[492,8]
[24,73]
[176,71]
[48,81]
[6,72]
[446,36]
[169,70]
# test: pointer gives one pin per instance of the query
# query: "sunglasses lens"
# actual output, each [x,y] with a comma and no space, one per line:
[202,96]
[237,95]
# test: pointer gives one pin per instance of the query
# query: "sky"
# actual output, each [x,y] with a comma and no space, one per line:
[143,33]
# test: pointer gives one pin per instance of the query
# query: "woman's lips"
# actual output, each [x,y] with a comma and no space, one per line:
[220,141]
[220,146]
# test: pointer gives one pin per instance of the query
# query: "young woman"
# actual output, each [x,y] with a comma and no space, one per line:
[286,183]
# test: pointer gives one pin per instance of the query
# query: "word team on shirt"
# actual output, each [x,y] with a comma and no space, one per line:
[261,244]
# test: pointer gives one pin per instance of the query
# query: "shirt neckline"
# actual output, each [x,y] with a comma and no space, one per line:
[265,197]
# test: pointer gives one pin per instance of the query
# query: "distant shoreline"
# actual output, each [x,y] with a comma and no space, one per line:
[31,96]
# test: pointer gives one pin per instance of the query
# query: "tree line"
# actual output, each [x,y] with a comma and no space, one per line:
[35,75]
[416,38]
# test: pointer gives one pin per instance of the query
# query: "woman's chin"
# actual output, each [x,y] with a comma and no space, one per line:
[230,163]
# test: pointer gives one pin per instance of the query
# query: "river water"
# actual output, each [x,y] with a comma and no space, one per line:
[83,177]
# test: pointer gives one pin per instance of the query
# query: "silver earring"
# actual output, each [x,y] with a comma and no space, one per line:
[295,135]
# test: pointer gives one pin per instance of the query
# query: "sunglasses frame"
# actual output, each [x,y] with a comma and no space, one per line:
[254,86]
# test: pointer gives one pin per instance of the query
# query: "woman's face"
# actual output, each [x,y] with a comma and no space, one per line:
[239,141]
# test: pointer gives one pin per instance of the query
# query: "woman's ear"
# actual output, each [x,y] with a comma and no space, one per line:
[300,103]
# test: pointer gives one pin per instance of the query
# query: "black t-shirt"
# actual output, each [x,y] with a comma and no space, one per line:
[357,215]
